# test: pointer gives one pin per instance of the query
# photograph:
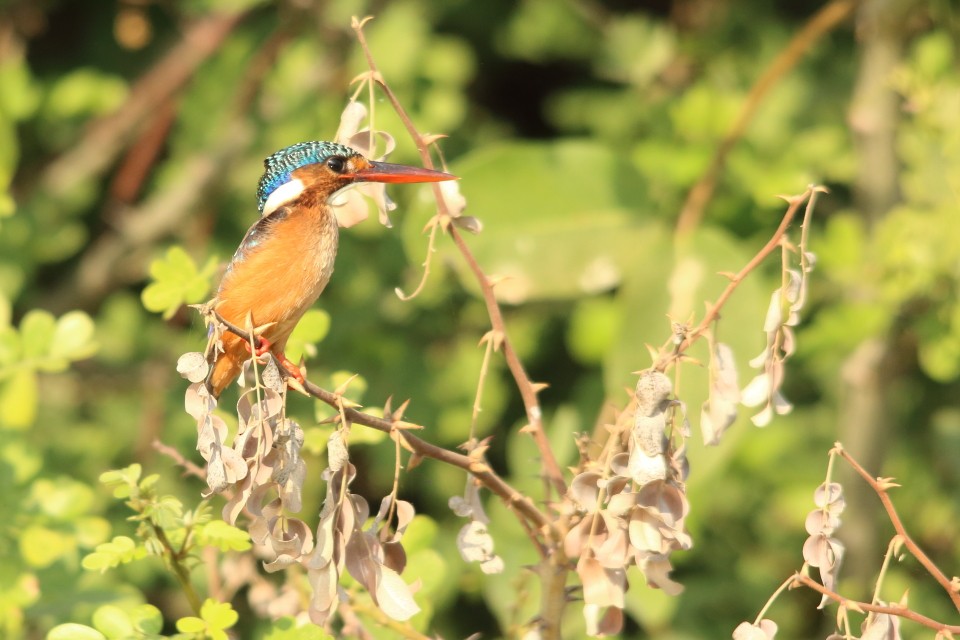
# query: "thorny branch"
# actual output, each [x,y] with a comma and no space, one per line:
[831,502]
[898,610]
[515,500]
[528,389]
[880,487]
[713,312]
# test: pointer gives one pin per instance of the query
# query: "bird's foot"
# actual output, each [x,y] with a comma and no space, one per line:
[263,347]
[292,369]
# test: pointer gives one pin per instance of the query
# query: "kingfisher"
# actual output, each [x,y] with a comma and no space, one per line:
[286,258]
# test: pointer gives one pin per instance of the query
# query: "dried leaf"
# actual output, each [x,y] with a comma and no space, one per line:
[829,495]
[475,542]
[394,596]
[193,366]
[774,317]
[657,570]
[821,522]
[198,402]
[766,630]
[601,587]
[584,490]
[452,198]
[394,556]
[337,453]
[720,409]
[757,391]
[881,626]
[653,392]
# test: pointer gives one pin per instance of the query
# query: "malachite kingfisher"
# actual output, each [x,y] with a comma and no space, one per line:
[286,258]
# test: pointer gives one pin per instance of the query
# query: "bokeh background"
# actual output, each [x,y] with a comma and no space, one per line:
[131,140]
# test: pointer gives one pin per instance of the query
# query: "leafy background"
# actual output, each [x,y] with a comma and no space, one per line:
[131,135]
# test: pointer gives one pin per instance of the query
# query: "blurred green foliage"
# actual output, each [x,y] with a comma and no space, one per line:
[578,128]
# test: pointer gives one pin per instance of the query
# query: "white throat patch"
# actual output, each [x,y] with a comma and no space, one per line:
[287,192]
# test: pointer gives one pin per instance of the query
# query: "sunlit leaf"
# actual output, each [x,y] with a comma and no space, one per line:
[176,281]
[18,400]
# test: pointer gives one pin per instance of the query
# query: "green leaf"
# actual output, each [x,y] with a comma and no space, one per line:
[91,531]
[177,281]
[127,475]
[63,499]
[113,622]
[191,624]
[20,96]
[288,629]
[40,547]
[594,327]
[147,619]
[312,328]
[5,313]
[223,536]
[10,347]
[552,230]
[218,615]
[18,400]
[108,555]
[85,91]
[73,631]
[36,333]
[73,337]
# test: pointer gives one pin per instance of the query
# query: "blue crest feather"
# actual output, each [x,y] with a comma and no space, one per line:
[279,166]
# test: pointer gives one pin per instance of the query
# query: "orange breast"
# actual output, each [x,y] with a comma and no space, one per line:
[275,281]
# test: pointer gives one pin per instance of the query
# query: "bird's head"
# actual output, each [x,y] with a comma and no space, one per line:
[323,168]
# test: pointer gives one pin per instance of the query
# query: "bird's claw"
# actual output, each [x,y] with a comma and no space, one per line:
[263,347]
[292,369]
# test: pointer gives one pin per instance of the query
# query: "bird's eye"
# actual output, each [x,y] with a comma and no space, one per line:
[336,164]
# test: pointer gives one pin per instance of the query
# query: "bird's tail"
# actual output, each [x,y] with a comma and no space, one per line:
[228,364]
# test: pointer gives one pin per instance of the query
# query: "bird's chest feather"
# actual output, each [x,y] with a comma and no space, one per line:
[282,266]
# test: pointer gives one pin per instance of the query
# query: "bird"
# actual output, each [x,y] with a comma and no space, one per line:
[287,256]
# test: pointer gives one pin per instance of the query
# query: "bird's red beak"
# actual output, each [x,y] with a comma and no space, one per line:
[386,172]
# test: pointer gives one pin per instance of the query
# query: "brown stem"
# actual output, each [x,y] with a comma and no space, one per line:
[107,136]
[892,610]
[179,570]
[897,523]
[823,21]
[189,468]
[480,469]
[528,391]
[713,313]
[553,598]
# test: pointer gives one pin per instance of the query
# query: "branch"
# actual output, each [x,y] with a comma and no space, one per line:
[189,468]
[528,390]
[915,550]
[892,610]
[713,313]
[108,135]
[823,21]
[480,469]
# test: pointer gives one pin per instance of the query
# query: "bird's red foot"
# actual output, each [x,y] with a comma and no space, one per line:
[263,347]
[292,369]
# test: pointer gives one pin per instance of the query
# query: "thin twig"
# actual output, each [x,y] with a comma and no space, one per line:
[528,390]
[487,476]
[713,313]
[897,523]
[891,610]
[823,21]
[179,570]
[106,137]
[481,470]
[189,468]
